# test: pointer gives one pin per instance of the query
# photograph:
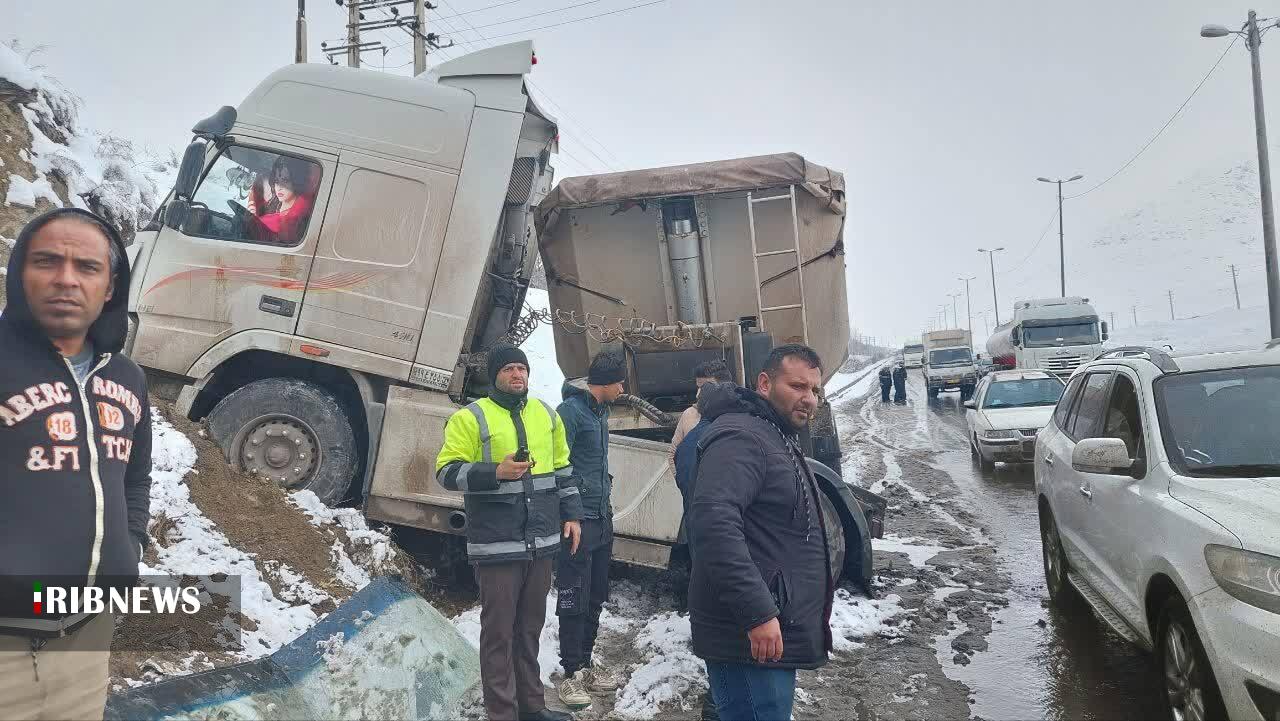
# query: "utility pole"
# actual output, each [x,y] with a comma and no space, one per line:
[968,303]
[1171,315]
[1135,316]
[955,314]
[419,37]
[995,300]
[300,43]
[1113,319]
[1062,252]
[1235,284]
[353,34]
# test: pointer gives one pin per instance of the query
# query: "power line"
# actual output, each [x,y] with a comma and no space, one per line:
[534,15]
[479,10]
[1164,127]
[576,20]
[575,121]
[1043,234]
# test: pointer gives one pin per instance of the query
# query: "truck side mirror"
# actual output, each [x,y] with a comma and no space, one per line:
[1016,336]
[176,210]
[1105,331]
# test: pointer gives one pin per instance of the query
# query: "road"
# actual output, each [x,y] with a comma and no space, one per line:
[962,554]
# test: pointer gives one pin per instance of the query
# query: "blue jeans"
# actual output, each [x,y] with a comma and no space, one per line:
[750,693]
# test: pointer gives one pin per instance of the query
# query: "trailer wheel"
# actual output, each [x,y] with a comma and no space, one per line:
[290,431]
[835,536]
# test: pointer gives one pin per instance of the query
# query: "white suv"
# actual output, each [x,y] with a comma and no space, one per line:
[1158,482]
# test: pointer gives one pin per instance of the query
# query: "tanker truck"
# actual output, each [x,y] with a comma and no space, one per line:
[326,344]
[1052,334]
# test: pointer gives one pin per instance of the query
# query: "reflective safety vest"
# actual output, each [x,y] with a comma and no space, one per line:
[509,520]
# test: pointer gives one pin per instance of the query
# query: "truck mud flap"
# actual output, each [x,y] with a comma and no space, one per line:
[385,653]
[862,513]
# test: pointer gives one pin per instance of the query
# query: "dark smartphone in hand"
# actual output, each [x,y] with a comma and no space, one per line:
[522,455]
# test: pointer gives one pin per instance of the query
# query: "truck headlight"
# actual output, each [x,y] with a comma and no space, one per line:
[999,434]
[1248,576]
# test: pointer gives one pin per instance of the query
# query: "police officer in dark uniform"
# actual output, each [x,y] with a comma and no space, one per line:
[899,384]
[886,381]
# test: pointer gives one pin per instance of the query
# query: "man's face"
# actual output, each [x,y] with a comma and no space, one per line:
[513,378]
[67,277]
[613,390]
[794,392]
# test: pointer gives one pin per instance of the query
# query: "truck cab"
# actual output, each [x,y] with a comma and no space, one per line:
[1052,334]
[949,363]
[913,355]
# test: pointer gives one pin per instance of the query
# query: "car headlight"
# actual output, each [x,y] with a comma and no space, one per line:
[1248,576]
[1000,434]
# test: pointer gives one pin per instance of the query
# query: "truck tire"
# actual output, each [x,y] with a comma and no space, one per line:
[291,431]
[835,536]
[933,392]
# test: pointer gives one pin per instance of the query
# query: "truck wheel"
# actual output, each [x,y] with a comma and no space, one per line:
[835,536]
[933,392]
[291,432]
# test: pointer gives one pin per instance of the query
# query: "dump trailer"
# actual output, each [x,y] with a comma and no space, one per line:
[340,251]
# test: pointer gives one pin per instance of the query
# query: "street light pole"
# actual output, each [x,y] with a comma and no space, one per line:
[995,299]
[968,302]
[1253,38]
[1062,252]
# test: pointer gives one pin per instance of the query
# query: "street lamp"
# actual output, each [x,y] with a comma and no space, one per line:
[1253,38]
[955,315]
[991,256]
[1062,255]
[968,303]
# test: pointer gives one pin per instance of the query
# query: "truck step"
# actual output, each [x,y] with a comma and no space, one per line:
[1103,609]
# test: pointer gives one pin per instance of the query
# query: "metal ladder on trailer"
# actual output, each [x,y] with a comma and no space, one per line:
[795,248]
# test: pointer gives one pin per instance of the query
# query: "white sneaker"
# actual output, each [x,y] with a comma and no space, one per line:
[600,679]
[573,692]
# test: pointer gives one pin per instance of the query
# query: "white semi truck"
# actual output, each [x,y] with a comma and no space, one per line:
[1052,334]
[948,362]
[340,251]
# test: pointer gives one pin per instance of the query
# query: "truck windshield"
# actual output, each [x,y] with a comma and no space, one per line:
[950,356]
[1048,336]
[1221,424]
[1023,393]
[913,349]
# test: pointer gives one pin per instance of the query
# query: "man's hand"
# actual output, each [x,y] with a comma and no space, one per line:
[766,641]
[510,469]
[573,529]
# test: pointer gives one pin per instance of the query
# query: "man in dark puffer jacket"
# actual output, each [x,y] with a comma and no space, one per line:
[75,459]
[760,597]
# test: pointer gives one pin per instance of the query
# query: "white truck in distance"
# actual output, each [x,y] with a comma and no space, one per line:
[1053,334]
[340,251]
[913,355]
[948,363]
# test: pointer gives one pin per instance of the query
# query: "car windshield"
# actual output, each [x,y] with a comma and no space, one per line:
[913,349]
[1049,336]
[1221,423]
[949,356]
[1023,393]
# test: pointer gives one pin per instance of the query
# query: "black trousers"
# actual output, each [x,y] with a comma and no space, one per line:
[899,389]
[885,385]
[582,587]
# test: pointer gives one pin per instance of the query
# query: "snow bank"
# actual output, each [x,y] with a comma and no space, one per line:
[197,548]
[669,672]
[371,548]
[1224,330]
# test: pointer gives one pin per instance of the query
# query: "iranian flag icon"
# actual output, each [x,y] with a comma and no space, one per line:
[37,599]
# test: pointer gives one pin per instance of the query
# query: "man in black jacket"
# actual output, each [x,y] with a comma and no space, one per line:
[886,382]
[75,459]
[761,592]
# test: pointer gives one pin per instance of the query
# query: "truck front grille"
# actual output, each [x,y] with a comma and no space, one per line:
[1062,364]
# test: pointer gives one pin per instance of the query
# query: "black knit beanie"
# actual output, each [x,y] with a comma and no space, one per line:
[606,369]
[501,355]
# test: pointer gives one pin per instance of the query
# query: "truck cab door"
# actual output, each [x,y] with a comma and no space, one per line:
[228,269]
[377,257]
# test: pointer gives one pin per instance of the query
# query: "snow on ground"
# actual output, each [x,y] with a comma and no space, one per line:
[918,550]
[372,548]
[197,548]
[669,670]
[1225,330]
[852,384]
[857,617]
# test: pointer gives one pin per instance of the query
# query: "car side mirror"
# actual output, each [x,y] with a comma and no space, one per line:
[1101,455]
[971,405]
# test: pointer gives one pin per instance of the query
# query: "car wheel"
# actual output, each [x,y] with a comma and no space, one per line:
[1191,691]
[1061,592]
[289,431]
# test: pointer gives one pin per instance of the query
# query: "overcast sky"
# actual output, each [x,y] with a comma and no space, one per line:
[940,114]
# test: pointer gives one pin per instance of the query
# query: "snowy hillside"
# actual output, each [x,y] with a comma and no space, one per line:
[48,159]
[1225,330]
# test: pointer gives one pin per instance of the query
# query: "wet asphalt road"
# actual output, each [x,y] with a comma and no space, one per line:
[1040,662]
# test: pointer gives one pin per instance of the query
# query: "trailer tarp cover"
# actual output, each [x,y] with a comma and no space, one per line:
[762,171]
